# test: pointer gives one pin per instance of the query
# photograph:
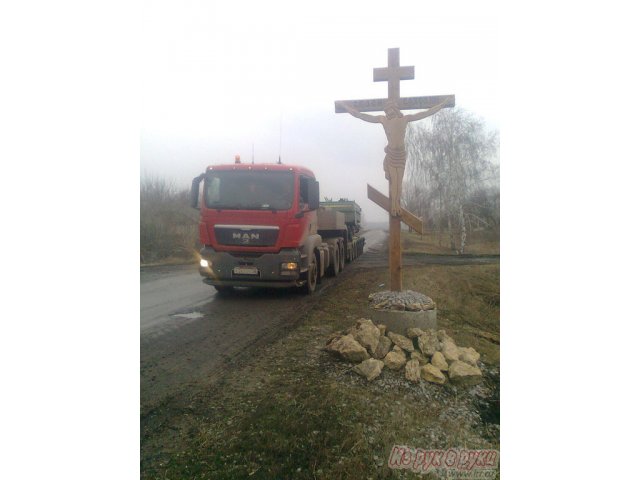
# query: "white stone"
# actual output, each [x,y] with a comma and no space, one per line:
[347,348]
[368,336]
[450,351]
[432,374]
[370,368]
[420,357]
[364,321]
[395,360]
[469,355]
[428,343]
[439,362]
[401,341]
[414,332]
[412,371]
[460,372]
[442,336]
[384,346]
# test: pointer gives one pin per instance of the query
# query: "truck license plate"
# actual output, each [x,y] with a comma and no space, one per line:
[245,270]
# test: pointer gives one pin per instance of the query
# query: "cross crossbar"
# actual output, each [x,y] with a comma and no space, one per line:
[383,201]
[404,103]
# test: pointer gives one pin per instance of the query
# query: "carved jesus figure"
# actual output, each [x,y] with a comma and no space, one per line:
[395,126]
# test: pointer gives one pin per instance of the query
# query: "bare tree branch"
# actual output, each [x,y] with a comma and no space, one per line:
[453,170]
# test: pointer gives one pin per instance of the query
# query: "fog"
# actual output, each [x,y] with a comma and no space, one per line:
[221,80]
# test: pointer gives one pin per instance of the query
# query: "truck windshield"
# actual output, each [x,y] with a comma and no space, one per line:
[249,190]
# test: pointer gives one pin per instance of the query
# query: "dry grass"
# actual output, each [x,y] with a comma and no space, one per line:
[168,225]
[478,243]
[468,301]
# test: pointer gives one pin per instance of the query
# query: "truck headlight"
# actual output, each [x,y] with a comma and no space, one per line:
[289,266]
[204,263]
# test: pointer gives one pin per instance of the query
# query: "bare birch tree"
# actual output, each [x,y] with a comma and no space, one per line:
[449,161]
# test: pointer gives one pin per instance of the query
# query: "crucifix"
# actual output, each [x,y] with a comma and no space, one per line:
[395,127]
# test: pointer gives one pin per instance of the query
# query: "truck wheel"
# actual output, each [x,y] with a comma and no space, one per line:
[334,263]
[312,276]
[341,255]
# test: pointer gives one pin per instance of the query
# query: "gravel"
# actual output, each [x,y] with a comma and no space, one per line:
[404,300]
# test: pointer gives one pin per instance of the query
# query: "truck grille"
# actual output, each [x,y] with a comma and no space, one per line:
[246,235]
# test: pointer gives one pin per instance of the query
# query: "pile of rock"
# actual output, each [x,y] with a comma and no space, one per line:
[429,355]
[404,300]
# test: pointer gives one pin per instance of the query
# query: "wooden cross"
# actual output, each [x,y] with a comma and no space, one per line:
[392,74]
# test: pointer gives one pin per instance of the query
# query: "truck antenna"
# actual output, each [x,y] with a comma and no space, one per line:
[280,149]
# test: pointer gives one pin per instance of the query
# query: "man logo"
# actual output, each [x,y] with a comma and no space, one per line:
[246,237]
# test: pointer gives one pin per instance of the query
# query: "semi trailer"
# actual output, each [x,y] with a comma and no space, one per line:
[263,225]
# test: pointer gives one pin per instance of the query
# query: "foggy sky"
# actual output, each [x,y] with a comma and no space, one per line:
[221,80]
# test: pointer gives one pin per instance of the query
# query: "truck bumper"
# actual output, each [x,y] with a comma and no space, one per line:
[232,270]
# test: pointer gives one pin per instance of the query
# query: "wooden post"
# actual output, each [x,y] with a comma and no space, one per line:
[395,255]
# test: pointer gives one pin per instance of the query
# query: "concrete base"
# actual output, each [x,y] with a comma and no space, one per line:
[397,321]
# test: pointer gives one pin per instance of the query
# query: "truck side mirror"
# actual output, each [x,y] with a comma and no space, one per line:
[195,190]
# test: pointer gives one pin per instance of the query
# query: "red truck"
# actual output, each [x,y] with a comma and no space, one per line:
[263,225]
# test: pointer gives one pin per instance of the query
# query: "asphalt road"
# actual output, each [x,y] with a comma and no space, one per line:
[171,296]
[165,291]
